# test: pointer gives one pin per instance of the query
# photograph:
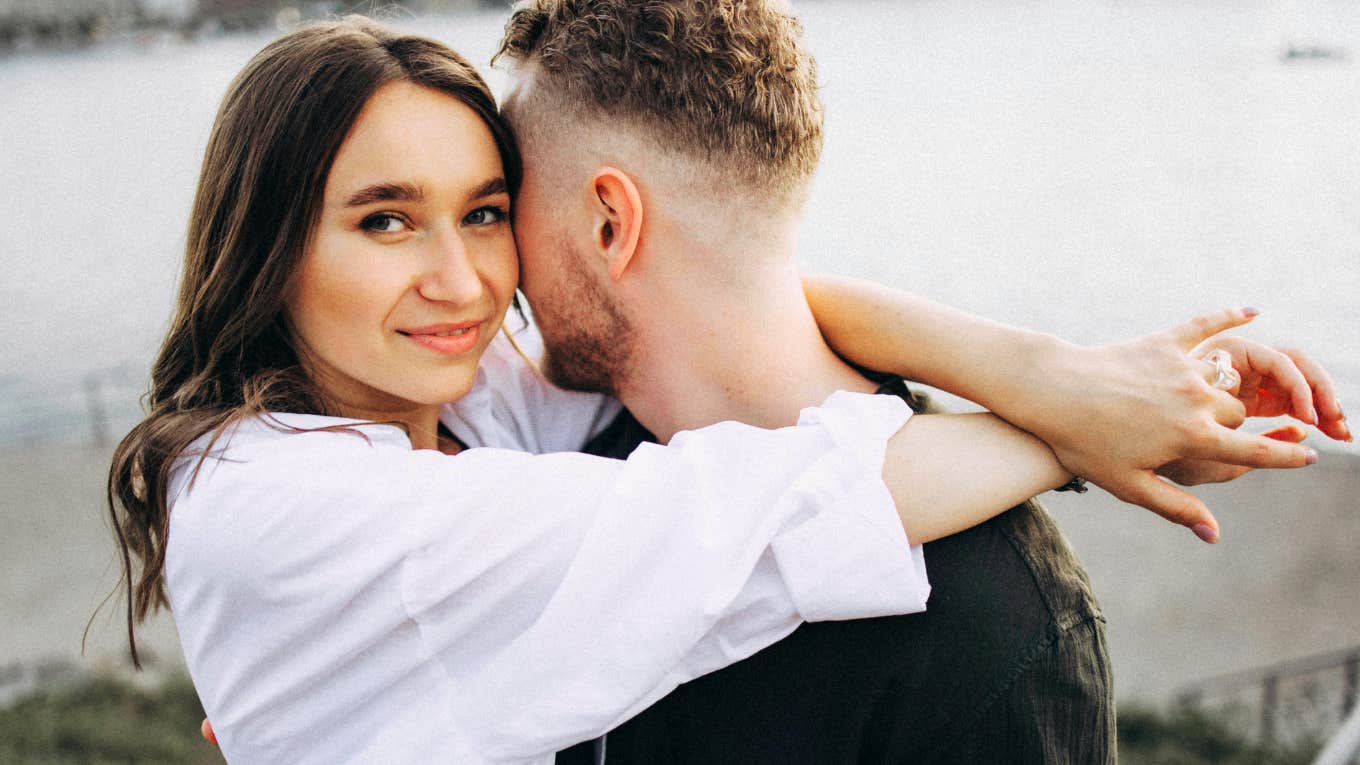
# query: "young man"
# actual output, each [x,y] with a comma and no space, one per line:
[667,150]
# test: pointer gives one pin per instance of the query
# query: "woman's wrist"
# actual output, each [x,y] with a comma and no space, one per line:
[1040,361]
[1007,368]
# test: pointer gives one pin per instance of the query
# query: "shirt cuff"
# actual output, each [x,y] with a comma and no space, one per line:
[852,560]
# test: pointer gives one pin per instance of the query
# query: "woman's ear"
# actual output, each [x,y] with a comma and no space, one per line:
[618,218]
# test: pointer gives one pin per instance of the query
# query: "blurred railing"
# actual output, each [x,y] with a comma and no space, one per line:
[1284,703]
[95,407]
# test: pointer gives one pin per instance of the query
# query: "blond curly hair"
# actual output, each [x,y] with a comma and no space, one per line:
[725,81]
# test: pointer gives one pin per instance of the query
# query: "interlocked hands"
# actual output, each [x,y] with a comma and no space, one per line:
[1121,415]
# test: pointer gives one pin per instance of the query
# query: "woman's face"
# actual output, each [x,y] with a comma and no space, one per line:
[412,264]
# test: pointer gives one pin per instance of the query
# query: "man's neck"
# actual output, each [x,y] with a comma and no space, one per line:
[752,354]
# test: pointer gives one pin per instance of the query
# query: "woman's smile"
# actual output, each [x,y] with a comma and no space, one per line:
[452,339]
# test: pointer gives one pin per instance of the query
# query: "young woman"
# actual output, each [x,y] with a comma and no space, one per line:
[349,583]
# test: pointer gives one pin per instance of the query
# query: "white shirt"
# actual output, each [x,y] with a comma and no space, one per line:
[345,598]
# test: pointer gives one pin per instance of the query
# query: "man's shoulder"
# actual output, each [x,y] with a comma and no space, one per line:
[1058,574]
[1031,538]
[1030,530]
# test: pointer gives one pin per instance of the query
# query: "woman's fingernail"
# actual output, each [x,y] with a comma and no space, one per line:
[1316,419]
[1206,532]
[1250,312]
[1312,456]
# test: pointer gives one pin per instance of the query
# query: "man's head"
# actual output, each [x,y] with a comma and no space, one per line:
[658,137]
[722,82]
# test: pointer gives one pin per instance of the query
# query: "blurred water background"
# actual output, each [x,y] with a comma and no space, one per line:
[1093,168]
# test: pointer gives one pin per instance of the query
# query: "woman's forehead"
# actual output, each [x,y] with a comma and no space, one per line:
[409,135]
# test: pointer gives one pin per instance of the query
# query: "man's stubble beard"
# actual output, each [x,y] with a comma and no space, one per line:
[588,341]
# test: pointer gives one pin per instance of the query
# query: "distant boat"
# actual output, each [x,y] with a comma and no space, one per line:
[1313,53]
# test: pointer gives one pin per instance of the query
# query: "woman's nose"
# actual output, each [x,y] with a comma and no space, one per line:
[451,276]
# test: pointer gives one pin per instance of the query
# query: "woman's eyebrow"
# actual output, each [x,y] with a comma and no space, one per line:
[407,192]
[386,192]
[493,186]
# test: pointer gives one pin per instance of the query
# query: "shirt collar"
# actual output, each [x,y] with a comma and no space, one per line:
[273,424]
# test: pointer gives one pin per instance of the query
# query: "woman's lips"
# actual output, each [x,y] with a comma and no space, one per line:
[451,339]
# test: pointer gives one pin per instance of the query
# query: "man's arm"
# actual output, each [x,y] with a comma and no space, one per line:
[1113,414]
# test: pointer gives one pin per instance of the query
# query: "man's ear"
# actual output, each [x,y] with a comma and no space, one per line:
[618,218]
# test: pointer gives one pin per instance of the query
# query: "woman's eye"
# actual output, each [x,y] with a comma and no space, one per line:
[485,215]
[383,223]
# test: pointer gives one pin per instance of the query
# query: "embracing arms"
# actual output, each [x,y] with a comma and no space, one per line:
[950,472]
[1117,415]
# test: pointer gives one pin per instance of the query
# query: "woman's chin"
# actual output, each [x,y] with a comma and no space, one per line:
[448,393]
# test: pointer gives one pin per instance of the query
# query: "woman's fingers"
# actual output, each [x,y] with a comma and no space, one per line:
[1289,381]
[1339,430]
[1331,420]
[206,730]
[1194,472]
[1204,326]
[1229,411]
[1289,433]
[1284,381]
[1256,451]
[1225,383]
[1174,504]
[1277,381]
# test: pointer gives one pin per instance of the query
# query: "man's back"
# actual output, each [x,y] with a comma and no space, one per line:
[1008,664]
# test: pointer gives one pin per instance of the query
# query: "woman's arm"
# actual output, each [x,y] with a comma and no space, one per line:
[949,472]
[513,407]
[888,330]
[558,594]
[1113,414]
[538,600]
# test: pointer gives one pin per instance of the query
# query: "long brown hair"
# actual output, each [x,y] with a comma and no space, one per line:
[230,353]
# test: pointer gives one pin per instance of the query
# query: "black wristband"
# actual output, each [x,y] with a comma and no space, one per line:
[1077,484]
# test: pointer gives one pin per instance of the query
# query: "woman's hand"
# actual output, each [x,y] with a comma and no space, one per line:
[1121,414]
[1273,382]
[1281,381]
[205,730]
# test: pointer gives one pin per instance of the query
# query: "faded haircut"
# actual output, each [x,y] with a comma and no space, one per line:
[727,82]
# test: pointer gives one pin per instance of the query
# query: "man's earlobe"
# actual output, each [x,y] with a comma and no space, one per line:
[619,221]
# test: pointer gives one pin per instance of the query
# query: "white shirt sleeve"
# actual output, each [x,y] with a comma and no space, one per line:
[512,406]
[647,558]
[337,597]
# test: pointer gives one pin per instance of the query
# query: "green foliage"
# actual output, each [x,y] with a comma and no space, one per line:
[1186,736]
[105,721]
